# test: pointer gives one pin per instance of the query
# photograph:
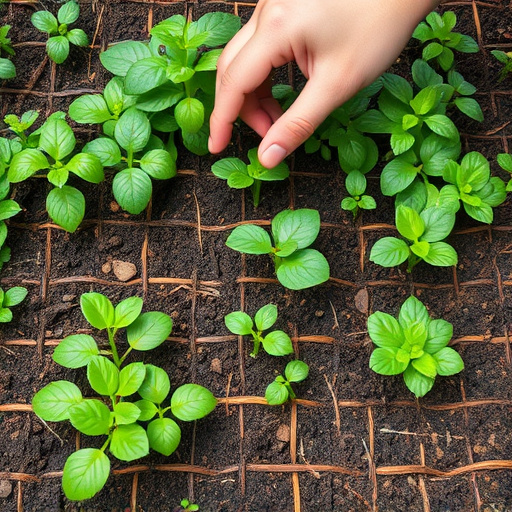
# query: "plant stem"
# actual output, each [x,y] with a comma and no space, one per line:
[255,189]
[130,158]
[105,444]
[112,343]
[257,341]
[125,355]
[288,386]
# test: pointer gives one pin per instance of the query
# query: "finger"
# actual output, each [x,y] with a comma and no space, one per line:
[247,71]
[320,96]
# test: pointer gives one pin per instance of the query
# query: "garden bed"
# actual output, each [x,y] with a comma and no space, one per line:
[354,440]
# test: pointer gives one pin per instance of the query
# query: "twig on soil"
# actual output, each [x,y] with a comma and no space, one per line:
[336,323]
[52,431]
[198,212]
[336,408]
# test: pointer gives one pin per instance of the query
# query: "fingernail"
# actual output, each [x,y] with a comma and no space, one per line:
[210,144]
[273,156]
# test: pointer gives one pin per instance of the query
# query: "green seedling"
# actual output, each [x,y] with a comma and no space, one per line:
[505,162]
[20,125]
[436,33]
[422,232]
[472,182]
[355,184]
[128,394]
[506,59]
[293,231]
[241,175]
[409,118]
[186,506]
[275,343]
[65,204]
[414,345]
[174,74]
[137,156]
[279,391]
[455,94]
[8,299]
[57,46]
[7,68]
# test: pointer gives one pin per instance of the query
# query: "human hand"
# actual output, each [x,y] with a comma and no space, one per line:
[340,46]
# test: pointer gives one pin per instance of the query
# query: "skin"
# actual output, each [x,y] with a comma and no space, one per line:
[340,46]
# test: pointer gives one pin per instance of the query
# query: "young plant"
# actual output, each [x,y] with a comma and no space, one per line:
[57,46]
[173,73]
[355,183]
[65,204]
[240,175]
[19,127]
[423,232]
[414,345]
[7,68]
[275,343]
[146,158]
[186,506]
[472,182]
[117,412]
[506,59]
[440,41]
[293,231]
[8,299]
[505,162]
[280,390]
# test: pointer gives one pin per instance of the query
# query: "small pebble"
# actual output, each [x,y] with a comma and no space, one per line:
[283,433]
[124,270]
[319,313]
[5,488]
[106,267]
[68,297]
[216,365]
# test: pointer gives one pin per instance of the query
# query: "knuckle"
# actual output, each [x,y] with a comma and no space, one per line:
[227,80]
[277,14]
[300,129]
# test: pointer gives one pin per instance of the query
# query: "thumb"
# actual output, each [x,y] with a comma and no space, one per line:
[316,101]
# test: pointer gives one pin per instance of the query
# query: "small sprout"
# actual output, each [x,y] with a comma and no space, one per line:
[356,187]
[506,59]
[441,41]
[19,127]
[275,343]
[57,46]
[7,68]
[505,162]
[8,299]
[240,175]
[186,506]
[414,345]
[280,390]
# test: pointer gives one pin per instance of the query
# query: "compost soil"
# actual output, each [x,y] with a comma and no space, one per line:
[355,441]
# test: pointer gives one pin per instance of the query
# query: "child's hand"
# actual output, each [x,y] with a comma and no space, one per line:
[340,45]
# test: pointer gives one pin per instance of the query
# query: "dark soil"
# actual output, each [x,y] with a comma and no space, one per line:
[356,441]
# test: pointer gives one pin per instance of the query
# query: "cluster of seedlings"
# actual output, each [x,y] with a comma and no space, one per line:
[164,88]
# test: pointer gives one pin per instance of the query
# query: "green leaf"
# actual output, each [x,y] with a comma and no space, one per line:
[239,180]
[75,351]
[164,435]
[440,333]
[58,177]
[156,385]
[97,309]
[227,166]
[265,317]
[66,207]
[68,13]
[426,365]
[435,153]
[416,382]
[14,296]
[355,183]
[441,254]
[385,331]
[7,69]
[385,362]
[438,223]
[249,239]
[77,37]
[276,393]
[443,126]
[25,164]
[90,109]
[448,361]
[367,203]
[431,51]
[397,175]
[423,75]
[105,149]
[409,223]
[147,409]
[277,343]
[170,31]
[303,269]
[189,114]
[239,323]
[474,171]
[132,189]
[426,100]
[389,252]
[133,129]
[57,138]
[257,171]
[197,142]
[296,371]
[91,417]
[423,32]
[302,226]
[467,45]
[126,413]
[470,107]
[85,473]
[131,378]
[120,57]
[411,312]
[145,75]
[149,330]
[5,315]
[45,22]
[57,48]
[191,402]
[505,161]
[8,209]
[86,166]
[208,61]
[52,402]
[420,248]
[398,86]
[159,164]
[129,442]
[127,311]
[103,375]
[178,72]
[401,141]
[212,29]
